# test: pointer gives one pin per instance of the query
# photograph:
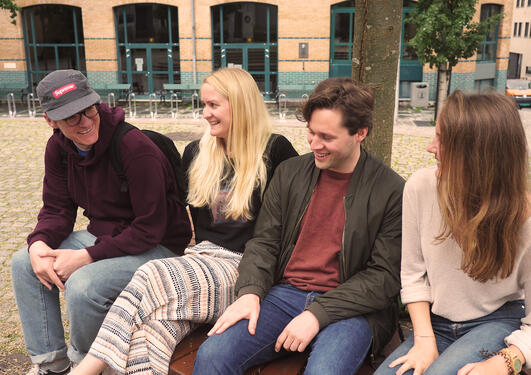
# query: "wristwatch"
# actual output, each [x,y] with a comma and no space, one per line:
[511,359]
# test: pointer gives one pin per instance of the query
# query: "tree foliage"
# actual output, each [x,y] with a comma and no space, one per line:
[445,31]
[11,7]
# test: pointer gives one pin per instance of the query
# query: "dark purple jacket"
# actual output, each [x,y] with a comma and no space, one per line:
[124,223]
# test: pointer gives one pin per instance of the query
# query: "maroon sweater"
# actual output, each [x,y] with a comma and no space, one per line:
[124,223]
[314,264]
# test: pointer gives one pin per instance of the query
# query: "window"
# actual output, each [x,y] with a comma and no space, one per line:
[245,34]
[53,36]
[487,51]
[526,29]
[515,28]
[519,28]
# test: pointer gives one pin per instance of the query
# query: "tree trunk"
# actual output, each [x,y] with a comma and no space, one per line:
[443,84]
[375,59]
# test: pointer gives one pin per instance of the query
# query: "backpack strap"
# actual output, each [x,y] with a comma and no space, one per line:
[116,158]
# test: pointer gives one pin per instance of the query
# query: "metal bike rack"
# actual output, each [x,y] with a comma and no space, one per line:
[31,105]
[132,105]
[111,99]
[153,105]
[195,109]
[174,104]
[282,106]
[12,108]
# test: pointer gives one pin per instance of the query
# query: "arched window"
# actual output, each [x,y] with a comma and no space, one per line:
[148,46]
[245,35]
[53,38]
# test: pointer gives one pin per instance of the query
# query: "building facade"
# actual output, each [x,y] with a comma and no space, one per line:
[520,53]
[280,42]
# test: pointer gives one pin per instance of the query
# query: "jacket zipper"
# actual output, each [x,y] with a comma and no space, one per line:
[342,250]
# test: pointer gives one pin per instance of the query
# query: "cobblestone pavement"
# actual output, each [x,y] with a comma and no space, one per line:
[22,143]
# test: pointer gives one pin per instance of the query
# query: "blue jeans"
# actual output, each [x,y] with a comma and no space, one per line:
[463,342]
[339,348]
[90,292]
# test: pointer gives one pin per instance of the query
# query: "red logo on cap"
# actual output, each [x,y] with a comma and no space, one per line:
[63,90]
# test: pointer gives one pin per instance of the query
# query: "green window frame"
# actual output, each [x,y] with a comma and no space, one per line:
[49,51]
[487,52]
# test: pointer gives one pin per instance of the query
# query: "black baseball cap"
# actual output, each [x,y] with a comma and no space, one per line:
[64,93]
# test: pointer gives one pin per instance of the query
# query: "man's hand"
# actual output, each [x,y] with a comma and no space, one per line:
[298,333]
[42,258]
[419,357]
[245,307]
[67,261]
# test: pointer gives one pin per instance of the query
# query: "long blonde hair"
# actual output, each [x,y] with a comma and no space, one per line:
[240,161]
[482,185]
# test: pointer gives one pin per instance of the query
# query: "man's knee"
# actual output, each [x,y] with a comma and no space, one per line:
[213,354]
[83,293]
[20,263]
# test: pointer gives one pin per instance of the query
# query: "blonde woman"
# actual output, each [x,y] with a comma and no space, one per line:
[466,246]
[228,170]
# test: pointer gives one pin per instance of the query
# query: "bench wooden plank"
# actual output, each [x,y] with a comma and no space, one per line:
[181,86]
[118,86]
[182,361]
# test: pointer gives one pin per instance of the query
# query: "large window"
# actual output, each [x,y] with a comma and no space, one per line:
[148,46]
[245,35]
[53,36]
[487,51]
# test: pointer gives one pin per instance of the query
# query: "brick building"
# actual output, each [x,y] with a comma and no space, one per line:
[520,55]
[280,42]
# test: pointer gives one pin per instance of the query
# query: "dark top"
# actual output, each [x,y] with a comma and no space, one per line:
[124,223]
[233,234]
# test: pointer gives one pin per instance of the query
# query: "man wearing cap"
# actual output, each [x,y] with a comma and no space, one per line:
[126,229]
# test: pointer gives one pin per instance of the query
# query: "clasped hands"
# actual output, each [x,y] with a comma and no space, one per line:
[54,267]
[295,337]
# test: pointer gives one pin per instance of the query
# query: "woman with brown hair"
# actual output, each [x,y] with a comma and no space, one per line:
[466,246]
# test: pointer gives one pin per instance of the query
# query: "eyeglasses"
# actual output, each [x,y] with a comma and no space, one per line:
[89,112]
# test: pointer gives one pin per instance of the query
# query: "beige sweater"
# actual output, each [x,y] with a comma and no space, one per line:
[431,272]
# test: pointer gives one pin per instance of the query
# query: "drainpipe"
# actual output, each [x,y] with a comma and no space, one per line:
[194,62]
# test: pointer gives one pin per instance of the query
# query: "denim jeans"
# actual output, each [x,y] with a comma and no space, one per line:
[460,343]
[339,348]
[90,292]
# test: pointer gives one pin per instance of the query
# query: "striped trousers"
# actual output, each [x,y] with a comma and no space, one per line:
[162,303]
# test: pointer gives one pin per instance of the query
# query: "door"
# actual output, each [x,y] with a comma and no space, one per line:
[148,47]
[341,33]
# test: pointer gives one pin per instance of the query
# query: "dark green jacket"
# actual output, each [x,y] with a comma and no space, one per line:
[369,260]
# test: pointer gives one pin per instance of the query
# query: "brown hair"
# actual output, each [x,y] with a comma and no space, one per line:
[355,102]
[482,187]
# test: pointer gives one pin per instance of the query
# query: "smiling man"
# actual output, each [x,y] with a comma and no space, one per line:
[322,269]
[127,227]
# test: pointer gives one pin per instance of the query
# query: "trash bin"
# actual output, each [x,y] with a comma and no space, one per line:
[419,94]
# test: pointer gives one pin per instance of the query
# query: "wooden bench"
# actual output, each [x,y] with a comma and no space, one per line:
[123,89]
[12,87]
[182,361]
[181,87]
[295,91]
